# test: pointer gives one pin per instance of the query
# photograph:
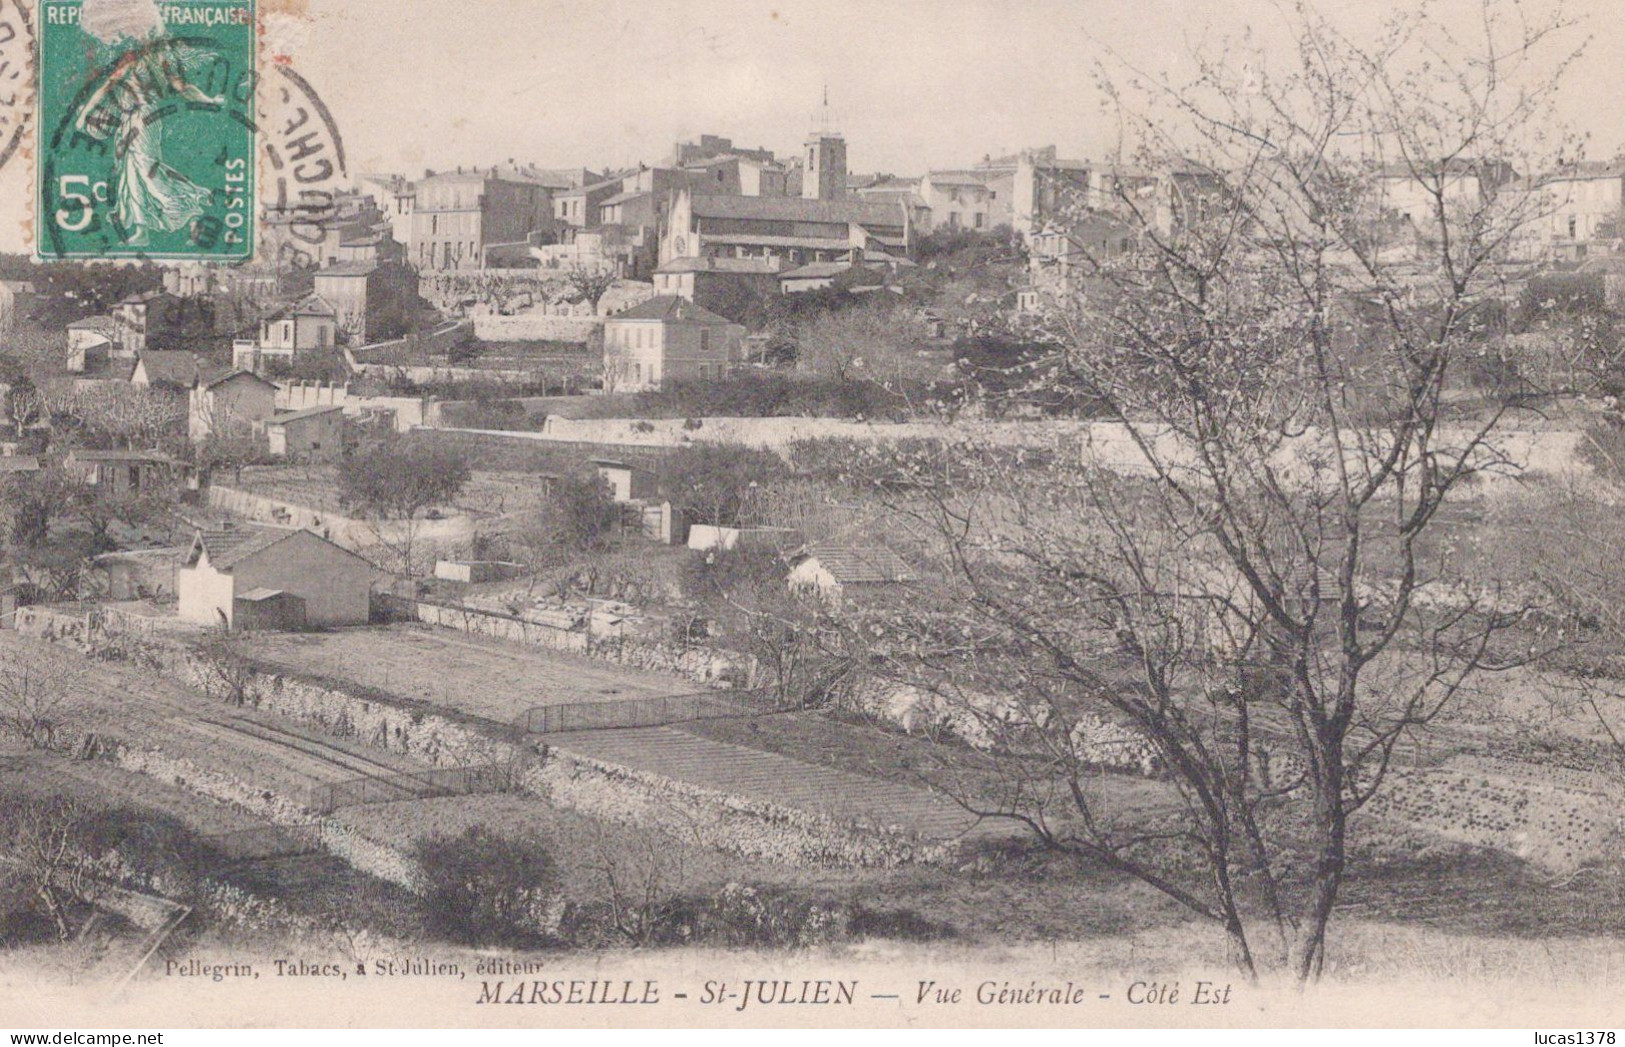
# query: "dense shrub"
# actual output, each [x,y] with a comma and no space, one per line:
[712,483]
[481,888]
[751,916]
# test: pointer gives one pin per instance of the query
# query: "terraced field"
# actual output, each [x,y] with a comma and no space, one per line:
[150,711]
[735,769]
[484,677]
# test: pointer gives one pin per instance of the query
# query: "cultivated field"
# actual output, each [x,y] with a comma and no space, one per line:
[144,709]
[472,674]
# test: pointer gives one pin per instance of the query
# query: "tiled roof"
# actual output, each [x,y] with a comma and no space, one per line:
[794,209]
[169,367]
[349,269]
[19,463]
[671,308]
[859,565]
[226,548]
[621,198]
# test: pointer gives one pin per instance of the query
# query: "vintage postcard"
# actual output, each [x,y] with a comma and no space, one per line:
[911,513]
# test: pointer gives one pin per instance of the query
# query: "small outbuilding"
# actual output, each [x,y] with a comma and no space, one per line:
[315,434]
[222,565]
[269,610]
[830,570]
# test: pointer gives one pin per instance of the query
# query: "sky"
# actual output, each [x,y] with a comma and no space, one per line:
[913,84]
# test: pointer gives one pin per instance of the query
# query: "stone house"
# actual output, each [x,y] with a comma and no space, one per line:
[309,325]
[667,338]
[315,434]
[224,570]
[235,403]
[457,216]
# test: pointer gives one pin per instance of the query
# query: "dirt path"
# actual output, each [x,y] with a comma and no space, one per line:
[746,772]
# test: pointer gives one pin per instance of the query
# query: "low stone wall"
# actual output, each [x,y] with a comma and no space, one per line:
[536,327]
[501,626]
[733,824]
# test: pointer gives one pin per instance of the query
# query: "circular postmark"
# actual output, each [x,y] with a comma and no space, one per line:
[303,171]
[149,151]
[16,76]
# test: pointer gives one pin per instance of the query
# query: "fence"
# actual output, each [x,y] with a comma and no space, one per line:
[411,785]
[639,712]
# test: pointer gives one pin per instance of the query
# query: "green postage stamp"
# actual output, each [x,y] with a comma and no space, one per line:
[146,129]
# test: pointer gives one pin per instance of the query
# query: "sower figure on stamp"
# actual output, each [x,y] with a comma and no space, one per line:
[149,194]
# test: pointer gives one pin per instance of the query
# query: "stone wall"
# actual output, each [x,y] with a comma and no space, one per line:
[734,824]
[537,327]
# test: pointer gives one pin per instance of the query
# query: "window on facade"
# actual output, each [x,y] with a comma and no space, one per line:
[953,219]
[705,340]
[979,219]
[1574,227]
[434,224]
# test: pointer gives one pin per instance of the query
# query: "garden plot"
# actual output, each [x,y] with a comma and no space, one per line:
[1556,823]
[487,678]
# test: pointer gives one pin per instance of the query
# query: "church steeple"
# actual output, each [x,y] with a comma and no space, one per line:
[825,175]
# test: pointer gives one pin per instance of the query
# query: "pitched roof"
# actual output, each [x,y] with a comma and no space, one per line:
[227,547]
[235,372]
[19,463]
[670,308]
[169,367]
[795,209]
[310,305]
[858,565]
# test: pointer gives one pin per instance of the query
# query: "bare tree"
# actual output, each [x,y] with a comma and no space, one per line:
[589,285]
[42,857]
[1233,567]
[39,703]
